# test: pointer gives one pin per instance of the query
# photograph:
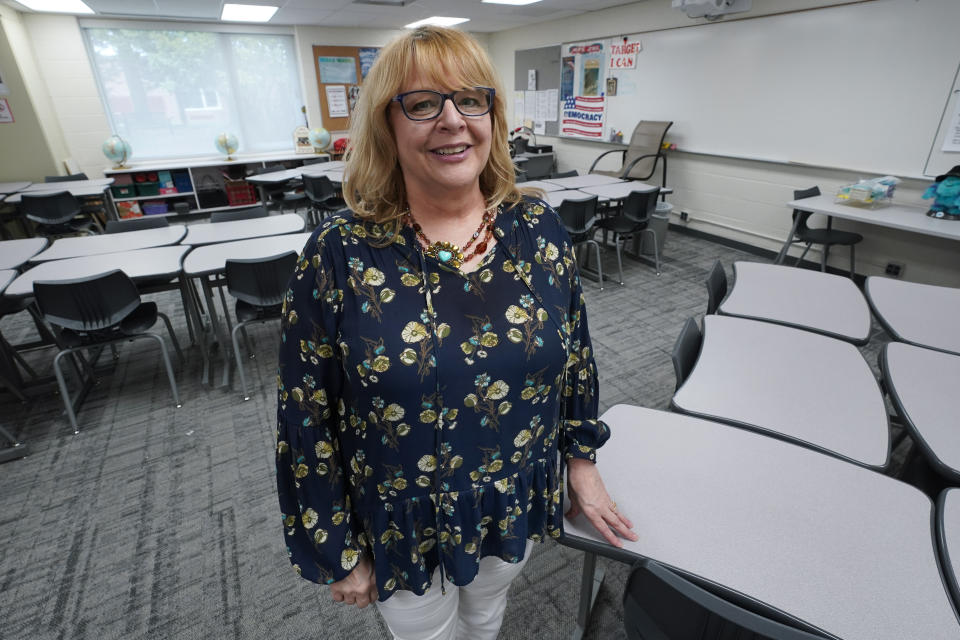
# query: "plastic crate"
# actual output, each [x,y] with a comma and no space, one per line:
[154,208]
[148,188]
[240,192]
[123,190]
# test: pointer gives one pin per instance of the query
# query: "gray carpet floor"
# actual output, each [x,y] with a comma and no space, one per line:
[157,522]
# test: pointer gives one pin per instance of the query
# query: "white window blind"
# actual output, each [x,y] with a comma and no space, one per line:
[170,92]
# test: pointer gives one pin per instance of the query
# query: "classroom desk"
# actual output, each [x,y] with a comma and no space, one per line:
[787,383]
[75,247]
[556,198]
[849,551]
[13,187]
[217,232]
[621,190]
[921,314]
[139,264]
[578,182]
[14,253]
[211,260]
[77,188]
[69,185]
[948,538]
[15,449]
[821,302]
[540,184]
[922,384]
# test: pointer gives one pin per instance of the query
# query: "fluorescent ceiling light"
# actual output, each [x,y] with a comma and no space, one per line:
[437,21]
[516,3]
[57,6]
[247,12]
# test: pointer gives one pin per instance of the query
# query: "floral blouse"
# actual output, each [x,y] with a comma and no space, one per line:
[421,409]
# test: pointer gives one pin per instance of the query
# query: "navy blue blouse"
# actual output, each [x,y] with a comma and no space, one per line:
[421,409]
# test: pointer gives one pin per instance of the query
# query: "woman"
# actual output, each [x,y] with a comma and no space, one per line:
[434,359]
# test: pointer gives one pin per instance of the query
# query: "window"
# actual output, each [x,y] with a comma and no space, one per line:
[170,92]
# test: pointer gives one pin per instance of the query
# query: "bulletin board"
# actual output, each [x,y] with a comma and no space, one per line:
[857,86]
[340,72]
[545,63]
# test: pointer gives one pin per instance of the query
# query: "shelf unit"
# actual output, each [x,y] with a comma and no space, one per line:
[197,170]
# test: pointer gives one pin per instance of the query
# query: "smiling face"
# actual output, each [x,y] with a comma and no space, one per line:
[442,157]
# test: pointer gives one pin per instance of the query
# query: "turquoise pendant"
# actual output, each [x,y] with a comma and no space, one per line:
[447,253]
[444,256]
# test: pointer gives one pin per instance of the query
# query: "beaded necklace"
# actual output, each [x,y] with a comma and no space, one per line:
[450,253]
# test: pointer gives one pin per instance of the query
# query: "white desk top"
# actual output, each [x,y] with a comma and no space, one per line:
[540,184]
[212,258]
[212,161]
[74,247]
[896,216]
[948,516]
[845,549]
[335,175]
[621,190]
[14,253]
[6,277]
[318,168]
[809,388]
[923,386]
[140,263]
[13,187]
[801,298]
[79,188]
[588,180]
[214,232]
[554,198]
[921,314]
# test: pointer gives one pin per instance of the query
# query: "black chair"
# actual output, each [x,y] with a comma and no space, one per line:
[634,218]
[826,237]
[323,197]
[686,350]
[67,178]
[538,166]
[281,195]
[565,174]
[259,285]
[56,214]
[137,224]
[579,218]
[658,604]
[716,287]
[99,310]
[245,213]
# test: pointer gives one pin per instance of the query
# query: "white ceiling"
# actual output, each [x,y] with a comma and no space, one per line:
[350,13]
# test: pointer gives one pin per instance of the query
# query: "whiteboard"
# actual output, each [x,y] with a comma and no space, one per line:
[860,86]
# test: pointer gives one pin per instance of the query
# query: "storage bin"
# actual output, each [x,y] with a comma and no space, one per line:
[659,222]
[181,181]
[154,208]
[123,190]
[148,188]
[240,192]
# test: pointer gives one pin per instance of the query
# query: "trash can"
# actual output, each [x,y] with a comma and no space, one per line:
[658,222]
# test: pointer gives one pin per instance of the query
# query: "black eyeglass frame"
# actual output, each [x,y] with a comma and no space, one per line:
[491,94]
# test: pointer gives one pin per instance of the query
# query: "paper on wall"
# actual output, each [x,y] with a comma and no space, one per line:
[951,141]
[518,107]
[553,104]
[539,127]
[530,105]
[543,106]
[337,101]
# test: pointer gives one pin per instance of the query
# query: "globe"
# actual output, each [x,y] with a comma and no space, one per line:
[319,138]
[117,150]
[226,144]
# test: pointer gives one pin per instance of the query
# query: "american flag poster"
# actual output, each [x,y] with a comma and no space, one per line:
[582,117]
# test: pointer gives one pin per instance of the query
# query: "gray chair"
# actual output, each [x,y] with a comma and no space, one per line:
[281,195]
[686,350]
[137,224]
[716,287]
[578,218]
[538,166]
[245,213]
[658,604]
[56,214]
[812,236]
[259,285]
[99,310]
[634,219]
[639,160]
[323,196]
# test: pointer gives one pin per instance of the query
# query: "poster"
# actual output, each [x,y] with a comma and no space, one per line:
[531,79]
[368,56]
[951,141]
[4,90]
[337,70]
[553,105]
[624,55]
[5,114]
[568,71]
[583,117]
[337,101]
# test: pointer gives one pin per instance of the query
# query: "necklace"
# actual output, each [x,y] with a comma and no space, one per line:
[449,253]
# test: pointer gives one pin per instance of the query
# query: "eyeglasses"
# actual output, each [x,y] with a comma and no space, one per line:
[427,105]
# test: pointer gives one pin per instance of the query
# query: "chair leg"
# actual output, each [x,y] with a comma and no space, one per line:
[656,249]
[167,364]
[618,240]
[64,393]
[823,258]
[246,342]
[852,254]
[596,247]
[173,337]
[803,255]
[236,355]
[114,352]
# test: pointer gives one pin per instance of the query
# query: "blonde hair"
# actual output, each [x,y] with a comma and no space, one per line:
[375,189]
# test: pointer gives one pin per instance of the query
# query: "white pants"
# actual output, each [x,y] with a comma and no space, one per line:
[472,612]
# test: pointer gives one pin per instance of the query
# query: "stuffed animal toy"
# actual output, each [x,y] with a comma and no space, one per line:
[946,194]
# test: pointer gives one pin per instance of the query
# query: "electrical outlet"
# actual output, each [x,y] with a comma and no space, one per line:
[894,269]
[684,216]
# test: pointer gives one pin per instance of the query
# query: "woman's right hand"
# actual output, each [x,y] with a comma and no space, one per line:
[359,588]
